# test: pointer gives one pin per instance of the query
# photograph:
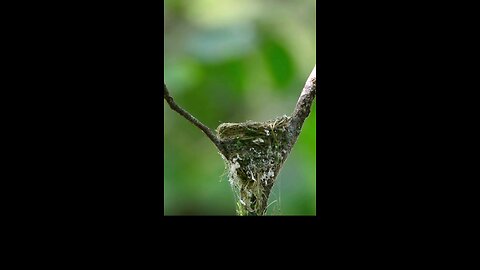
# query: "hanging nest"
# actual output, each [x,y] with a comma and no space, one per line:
[254,153]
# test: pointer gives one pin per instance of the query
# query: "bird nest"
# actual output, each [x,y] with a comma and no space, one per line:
[254,153]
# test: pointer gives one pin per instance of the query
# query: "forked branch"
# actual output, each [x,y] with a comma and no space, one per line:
[301,112]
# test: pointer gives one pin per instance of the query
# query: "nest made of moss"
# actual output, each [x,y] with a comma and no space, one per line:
[254,153]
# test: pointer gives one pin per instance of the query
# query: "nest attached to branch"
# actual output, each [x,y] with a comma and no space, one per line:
[254,154]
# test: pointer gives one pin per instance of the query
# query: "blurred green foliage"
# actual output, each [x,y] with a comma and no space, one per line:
[232,61]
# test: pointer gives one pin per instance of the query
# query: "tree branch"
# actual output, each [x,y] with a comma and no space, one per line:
[300,113]
[304,103]
[191,119]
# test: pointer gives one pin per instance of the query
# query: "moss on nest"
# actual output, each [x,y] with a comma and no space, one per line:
[254,153]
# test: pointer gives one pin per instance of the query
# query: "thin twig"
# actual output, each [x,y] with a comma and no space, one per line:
[304,103]
[192,119]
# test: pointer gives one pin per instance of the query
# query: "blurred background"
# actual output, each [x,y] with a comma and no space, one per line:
[232,61]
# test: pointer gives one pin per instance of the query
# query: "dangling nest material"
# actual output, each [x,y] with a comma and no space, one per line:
[254,154]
